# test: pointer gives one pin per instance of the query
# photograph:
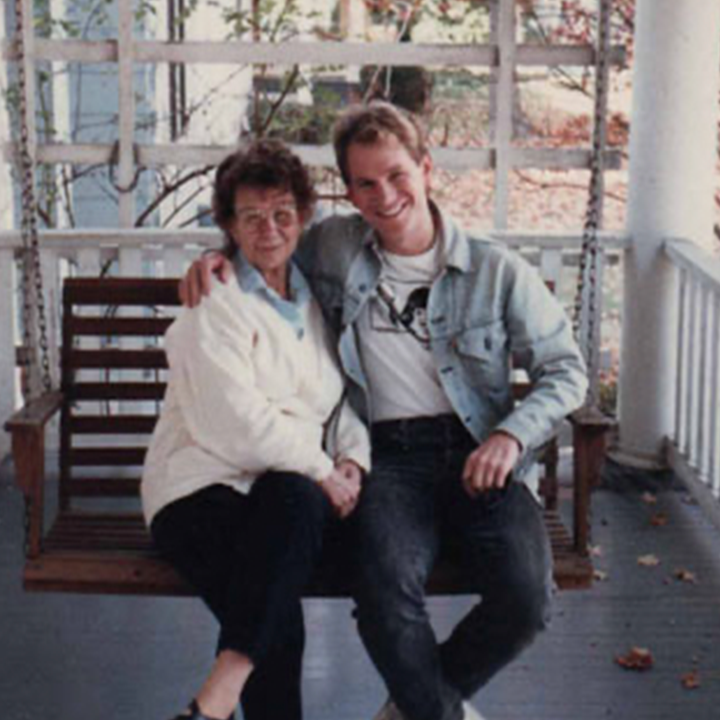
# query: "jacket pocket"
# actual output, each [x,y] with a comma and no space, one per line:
[484,354]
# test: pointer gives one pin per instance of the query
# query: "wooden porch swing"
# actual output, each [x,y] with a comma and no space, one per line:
[96,541]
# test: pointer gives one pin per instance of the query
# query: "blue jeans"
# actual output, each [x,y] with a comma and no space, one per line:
[414,507]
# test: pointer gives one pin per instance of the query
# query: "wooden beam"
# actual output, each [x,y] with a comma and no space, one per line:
[680,357]
[28,61]
[503,15]
[126,113]
[77,238]
[714,399]
[318,53]
[315,53]
[7,325]
[169,154]
[28,449]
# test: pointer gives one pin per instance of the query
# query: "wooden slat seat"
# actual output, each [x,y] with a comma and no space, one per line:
[97,541]
[83,551]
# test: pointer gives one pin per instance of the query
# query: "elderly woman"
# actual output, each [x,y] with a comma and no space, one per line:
[255,448]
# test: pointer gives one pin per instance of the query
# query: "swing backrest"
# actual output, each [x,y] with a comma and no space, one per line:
[114,374]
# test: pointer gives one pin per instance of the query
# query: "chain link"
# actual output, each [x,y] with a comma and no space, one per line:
[32,287]
[33,297]
[585,310]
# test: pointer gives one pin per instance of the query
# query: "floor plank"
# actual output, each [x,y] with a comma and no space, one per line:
[82,658]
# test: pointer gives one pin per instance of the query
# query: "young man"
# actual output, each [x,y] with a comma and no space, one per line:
[427,320]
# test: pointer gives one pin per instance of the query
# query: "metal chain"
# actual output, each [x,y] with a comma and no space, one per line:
[33,297]
[585,310]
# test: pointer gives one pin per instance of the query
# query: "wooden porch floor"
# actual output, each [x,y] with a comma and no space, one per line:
[84,658]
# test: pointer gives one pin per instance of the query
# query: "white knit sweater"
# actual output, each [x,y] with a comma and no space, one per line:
[246,395]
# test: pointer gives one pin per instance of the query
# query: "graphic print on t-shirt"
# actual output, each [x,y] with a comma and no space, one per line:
[401,307]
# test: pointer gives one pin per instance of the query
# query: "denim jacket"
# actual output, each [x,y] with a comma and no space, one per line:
[486,306]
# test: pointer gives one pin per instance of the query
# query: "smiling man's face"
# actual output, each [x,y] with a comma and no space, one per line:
[390,189]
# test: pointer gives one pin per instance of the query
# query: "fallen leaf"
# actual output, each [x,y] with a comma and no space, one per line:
[648,560]
[691,680]
[636,658]
[600,575]
[649,498]
[686,576]
[659,519]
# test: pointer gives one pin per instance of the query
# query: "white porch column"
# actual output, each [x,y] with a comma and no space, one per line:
[672,166]
[7,298]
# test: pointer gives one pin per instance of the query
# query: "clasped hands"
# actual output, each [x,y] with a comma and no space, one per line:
[342,487]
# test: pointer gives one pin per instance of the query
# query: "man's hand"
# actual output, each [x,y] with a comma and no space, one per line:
[198,278]
[489,466]
[342,492]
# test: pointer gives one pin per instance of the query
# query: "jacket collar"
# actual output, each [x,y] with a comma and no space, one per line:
[251,281]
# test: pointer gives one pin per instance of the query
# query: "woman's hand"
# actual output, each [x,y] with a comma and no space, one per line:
[342,488]
[351,471]
[198,278]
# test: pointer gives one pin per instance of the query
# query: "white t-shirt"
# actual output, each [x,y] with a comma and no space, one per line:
[394,340]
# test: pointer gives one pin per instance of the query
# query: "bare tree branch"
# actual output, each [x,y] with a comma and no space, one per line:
[182,205]
[197,216]
[168,190]
[278,103]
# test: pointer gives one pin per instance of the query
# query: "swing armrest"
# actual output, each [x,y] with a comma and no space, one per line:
[35,415]
[27,426]
[590,431]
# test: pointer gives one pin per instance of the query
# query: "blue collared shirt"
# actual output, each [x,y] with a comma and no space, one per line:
[251,280]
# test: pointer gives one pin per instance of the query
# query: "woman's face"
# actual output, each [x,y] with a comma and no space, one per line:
[266,227]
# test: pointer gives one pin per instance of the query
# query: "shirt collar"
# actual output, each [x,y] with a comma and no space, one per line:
[251,280]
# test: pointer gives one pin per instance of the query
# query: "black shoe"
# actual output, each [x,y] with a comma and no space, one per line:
[193,713]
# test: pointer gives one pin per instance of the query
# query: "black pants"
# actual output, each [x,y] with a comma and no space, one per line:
[250,557]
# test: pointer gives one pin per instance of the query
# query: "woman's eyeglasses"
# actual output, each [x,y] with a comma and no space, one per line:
[254,219]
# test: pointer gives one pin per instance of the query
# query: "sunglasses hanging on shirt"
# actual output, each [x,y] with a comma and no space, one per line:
[403,319]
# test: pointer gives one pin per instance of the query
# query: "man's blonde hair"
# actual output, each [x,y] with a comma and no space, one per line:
[371,124]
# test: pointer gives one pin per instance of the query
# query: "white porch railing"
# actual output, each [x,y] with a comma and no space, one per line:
[694,449]
[166,253]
